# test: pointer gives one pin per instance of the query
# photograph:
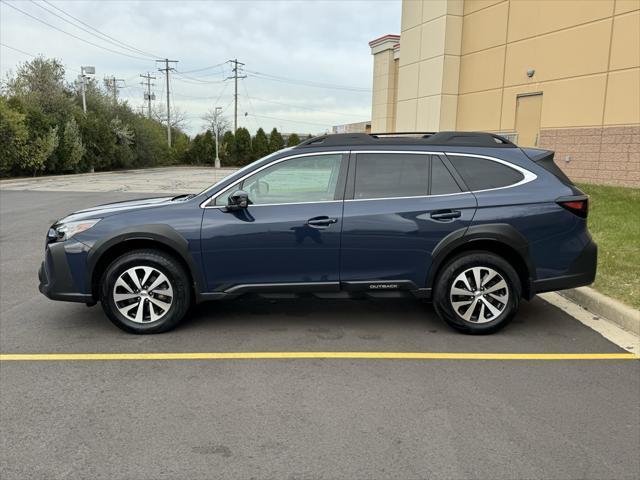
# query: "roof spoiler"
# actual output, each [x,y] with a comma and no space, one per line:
[544,158]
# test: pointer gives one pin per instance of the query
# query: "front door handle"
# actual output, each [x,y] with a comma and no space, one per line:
[321,222]
[446,214]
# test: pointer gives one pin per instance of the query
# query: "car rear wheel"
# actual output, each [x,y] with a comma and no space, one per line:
[145,291]
[477,293]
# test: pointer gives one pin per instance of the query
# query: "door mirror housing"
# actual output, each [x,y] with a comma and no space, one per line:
[237,201]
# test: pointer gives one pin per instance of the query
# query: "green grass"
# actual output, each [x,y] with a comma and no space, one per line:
[614,222]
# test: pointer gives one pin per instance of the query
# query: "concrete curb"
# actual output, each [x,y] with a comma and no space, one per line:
[601,305]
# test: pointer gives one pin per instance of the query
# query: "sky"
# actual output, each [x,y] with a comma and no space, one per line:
[317,50]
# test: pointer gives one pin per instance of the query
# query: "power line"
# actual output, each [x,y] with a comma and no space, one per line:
[301,107]
[287,120]
[250,104]
[195,81]
[108,40]
[18,50]
[100,32]
[210,67]
[29,54]
[307,83]
[71,34]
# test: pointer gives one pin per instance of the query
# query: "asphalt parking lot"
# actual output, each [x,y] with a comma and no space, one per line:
[297,418]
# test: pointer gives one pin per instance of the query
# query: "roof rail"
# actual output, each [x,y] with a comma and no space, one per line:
[400,134]
[459,139]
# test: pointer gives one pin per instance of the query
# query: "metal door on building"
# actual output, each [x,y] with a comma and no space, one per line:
[528,114]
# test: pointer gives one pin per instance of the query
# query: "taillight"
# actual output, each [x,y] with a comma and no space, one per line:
[576,205]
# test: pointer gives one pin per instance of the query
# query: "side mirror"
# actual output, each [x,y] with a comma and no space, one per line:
[237,201]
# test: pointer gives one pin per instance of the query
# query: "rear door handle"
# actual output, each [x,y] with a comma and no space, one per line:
[446,214]
[320,222]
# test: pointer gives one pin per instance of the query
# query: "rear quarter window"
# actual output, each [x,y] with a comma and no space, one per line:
[483,174]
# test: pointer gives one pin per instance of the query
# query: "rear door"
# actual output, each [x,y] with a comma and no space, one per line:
[398,206]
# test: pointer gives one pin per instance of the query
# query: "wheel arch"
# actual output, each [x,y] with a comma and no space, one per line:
[157,237]
[501,239]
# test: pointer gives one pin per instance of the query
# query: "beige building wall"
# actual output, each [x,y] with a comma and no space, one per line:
[471,64]
[385,88]
[429,65]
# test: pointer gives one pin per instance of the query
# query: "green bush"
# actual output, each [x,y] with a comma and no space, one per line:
[43,128]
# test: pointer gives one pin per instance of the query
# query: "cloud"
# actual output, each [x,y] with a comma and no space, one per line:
[318,41]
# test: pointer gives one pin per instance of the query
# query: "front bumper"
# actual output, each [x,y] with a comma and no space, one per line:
[581,272]
[55,277]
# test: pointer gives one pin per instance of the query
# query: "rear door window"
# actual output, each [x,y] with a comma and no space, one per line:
[386,175]
[483,174]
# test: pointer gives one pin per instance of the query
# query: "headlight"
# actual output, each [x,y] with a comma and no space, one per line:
[65,231]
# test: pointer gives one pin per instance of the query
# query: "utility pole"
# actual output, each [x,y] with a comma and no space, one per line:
[112,84]
[148,96]
[166,70]
[236,67]
[83,78]
[217,162]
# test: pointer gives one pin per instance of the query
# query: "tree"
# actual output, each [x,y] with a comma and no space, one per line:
[13,139]
[216,123]
[260,144]
[178,117]
[293,140]
[228,148]
[202,149]
[243,146]
[39,151]
[40,84]
[276,141]
[71,148]
[43,127]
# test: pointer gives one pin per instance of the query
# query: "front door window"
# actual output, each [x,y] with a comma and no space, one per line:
[303,179]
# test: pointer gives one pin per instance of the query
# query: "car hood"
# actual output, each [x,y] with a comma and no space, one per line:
[108,209]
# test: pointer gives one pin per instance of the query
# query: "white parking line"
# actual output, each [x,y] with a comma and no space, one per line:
[604,327]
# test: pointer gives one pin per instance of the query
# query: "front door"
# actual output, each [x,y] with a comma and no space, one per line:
[289,234]
[398,207]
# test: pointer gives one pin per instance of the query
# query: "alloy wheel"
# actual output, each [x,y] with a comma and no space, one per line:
[143,294]
[479,294]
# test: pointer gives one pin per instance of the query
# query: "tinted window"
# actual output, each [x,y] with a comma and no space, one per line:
[481,174]
[304,179]
[384,175]
[441,179]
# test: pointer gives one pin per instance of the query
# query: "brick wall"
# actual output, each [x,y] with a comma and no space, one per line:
[607,155]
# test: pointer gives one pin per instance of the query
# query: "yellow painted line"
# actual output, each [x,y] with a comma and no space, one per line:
[10,357]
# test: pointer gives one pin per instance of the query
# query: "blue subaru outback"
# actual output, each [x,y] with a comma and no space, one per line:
[467,220]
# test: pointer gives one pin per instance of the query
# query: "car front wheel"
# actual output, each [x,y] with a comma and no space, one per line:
[477,293]
[145,291]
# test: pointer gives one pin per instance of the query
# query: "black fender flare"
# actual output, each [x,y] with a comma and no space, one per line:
[160,233]
[500,233]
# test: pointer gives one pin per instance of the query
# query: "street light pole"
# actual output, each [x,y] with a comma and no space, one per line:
[91,70]
[217,125]
[84,96]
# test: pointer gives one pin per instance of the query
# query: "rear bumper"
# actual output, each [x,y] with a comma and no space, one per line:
[582,272]
[55,277]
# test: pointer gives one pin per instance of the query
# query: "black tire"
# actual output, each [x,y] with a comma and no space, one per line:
[459,264]
[162,262]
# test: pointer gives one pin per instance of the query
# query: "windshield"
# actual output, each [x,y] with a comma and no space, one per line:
[240,171]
